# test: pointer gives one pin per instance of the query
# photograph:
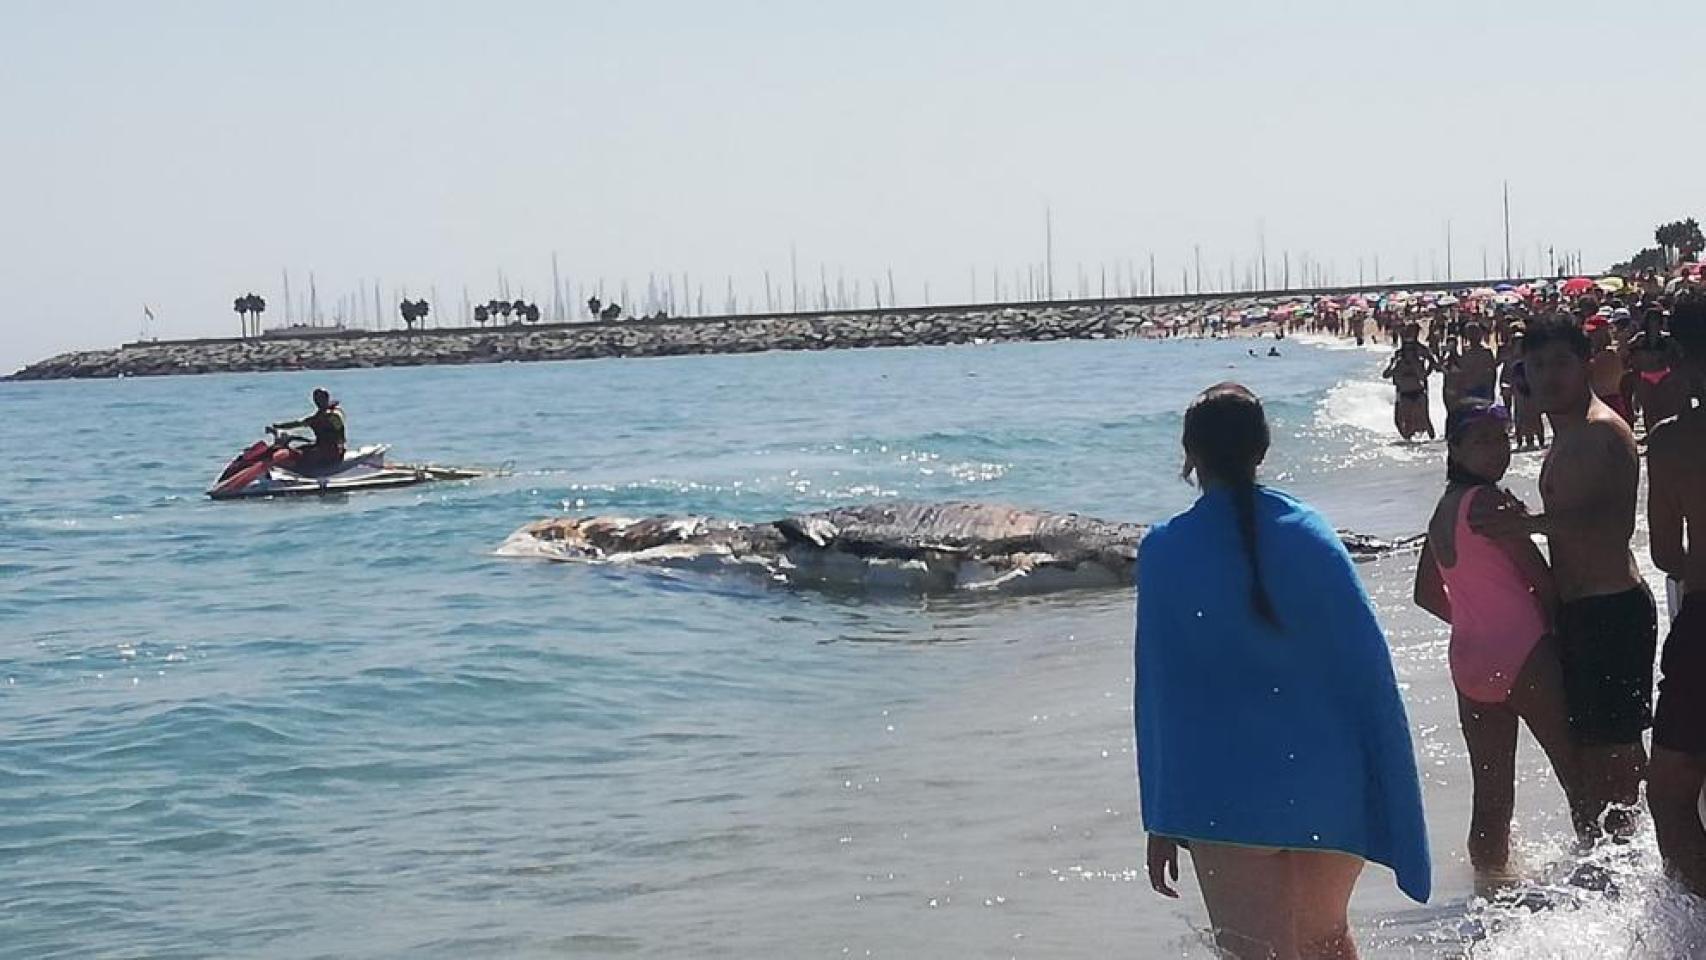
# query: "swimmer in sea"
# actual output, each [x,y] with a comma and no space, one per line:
[1408,370]
[1676,502]
[1499,598]
[1607,628]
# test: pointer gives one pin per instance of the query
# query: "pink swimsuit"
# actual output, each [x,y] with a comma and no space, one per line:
[1495,620]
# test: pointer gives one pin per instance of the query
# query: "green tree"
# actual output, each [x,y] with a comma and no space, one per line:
[1680,240]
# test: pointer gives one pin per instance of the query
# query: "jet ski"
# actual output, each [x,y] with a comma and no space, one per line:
[265,469]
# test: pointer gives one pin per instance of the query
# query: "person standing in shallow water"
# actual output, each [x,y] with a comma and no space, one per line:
[1271,740]
[1499,598]
[1676,518]
[1607,628]
[1408,370]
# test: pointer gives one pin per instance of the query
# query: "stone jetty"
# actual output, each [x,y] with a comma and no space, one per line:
[912,326]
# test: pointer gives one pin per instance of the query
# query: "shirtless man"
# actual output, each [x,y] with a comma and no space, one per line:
[1607,628]
[1605,367]
[1676,502]
[1408,371]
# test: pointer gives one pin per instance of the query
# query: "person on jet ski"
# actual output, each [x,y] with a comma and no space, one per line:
[327,422]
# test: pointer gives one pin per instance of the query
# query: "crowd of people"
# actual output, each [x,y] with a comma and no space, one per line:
[1272,738]
[1474,340]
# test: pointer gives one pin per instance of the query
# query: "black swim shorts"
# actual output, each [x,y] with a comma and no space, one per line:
[1606,645]
[1680,723]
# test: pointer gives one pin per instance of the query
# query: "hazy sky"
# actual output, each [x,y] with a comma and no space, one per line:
[180,154]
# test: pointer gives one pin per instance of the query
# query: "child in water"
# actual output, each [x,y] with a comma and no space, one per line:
[1499,598]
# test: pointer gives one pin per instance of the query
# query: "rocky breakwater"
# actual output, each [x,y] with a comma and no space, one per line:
[630,338]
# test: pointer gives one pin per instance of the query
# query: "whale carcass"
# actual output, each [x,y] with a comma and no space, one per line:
[901,546]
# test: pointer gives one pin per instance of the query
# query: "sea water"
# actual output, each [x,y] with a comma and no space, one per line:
[342,728]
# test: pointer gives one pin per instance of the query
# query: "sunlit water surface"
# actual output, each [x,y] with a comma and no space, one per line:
[342,728]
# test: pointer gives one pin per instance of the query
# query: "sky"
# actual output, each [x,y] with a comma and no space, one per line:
[179,154]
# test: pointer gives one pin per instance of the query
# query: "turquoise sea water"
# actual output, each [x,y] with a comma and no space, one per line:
[342,728]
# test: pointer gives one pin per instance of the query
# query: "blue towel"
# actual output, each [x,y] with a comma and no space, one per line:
[1249,734]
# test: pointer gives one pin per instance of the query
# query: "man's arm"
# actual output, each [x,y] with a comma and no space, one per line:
[1664,506]
[1605,502]
[291,424]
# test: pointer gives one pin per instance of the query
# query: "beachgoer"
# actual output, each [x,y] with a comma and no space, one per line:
[1499,598]
[1272,741]
[1478,368]
[1450,364]
[1605,366]
[327,422]
[1607,626]
[1408,370]
[1653,357]
[1676,502]
[1509,353]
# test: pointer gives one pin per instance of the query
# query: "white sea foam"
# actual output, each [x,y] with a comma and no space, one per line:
[1636,913]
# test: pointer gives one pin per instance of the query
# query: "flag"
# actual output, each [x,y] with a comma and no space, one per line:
[147,312]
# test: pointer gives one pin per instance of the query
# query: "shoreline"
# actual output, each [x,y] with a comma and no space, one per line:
[1101,319]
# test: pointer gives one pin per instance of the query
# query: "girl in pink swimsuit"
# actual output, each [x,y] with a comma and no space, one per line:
[1499,599]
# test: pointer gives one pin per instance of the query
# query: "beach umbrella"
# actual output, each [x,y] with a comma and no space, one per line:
[1576,286]
[1482,292]
[1448,301]
[1611,284]
[1501,288]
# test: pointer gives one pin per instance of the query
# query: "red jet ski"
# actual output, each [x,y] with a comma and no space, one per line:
[266,469]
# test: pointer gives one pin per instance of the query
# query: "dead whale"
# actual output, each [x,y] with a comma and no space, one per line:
[898,546]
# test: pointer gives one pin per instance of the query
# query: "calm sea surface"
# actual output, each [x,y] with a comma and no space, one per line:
[341,728]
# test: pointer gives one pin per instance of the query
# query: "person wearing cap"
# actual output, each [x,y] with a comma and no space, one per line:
[1499,597]
[1676,505]
[1605,365]
[327,422]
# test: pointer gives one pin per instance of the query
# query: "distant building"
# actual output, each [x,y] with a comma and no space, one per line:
[305,330]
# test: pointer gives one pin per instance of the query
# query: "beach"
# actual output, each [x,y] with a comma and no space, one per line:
[343,727]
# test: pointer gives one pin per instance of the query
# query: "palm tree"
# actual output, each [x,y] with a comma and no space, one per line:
[422,308]
[241,305]
[506,308]
[533,313]
[257,306]
[482,314]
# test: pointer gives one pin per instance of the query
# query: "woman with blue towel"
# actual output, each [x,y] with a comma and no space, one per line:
[1272,743]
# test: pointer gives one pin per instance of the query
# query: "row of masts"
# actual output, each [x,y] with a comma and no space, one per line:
[366,305]
[372,305]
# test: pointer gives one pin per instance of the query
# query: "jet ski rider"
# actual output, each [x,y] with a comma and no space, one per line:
[327,422]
